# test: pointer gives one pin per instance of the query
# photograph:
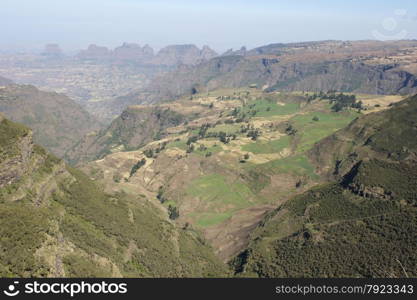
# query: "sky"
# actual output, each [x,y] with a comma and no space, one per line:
[74,24]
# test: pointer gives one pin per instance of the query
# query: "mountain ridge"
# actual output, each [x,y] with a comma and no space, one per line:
[58,122]
[369,207]
[56,222]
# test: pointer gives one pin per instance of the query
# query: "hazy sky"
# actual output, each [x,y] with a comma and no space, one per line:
[29,24]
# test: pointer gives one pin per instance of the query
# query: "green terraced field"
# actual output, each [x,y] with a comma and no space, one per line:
[274,146]
[213,149]
[310,131]
[227,128]
[220,196]
[265,108]
[297,165]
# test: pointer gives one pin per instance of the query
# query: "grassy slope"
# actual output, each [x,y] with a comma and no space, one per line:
[363,226]
[87,231]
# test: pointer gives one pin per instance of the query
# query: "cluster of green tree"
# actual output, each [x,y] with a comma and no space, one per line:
[160,195]
[250,131]
[349,249]
[151,153]
[137,166]
[340,101]
[203,133]
[290,130]
[242,115]
[173,212]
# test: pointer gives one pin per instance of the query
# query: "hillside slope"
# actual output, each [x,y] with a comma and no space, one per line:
[56,222]
[390,134]
[57,121]
[336,229]
[237,154]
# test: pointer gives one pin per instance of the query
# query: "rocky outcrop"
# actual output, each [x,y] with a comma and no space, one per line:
[183,54]
[136,126]
[15,164]
[95,52]
[130,52]
[133,52]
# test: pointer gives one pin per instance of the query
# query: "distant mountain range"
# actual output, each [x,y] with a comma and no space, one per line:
[167,56]
[358,66]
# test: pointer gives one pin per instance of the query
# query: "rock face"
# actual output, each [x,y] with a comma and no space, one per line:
[95,52]
[235,71]
[57,121]
[133,52]
[207,53]
[13,166]
[136,126]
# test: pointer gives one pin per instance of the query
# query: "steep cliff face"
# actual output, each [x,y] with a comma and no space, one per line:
[185,80]
[20,158]
[16,143]
[56,222]
[345,76]
[133,52]
[136,126]
[183,54]
[233,71]
[57,121]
